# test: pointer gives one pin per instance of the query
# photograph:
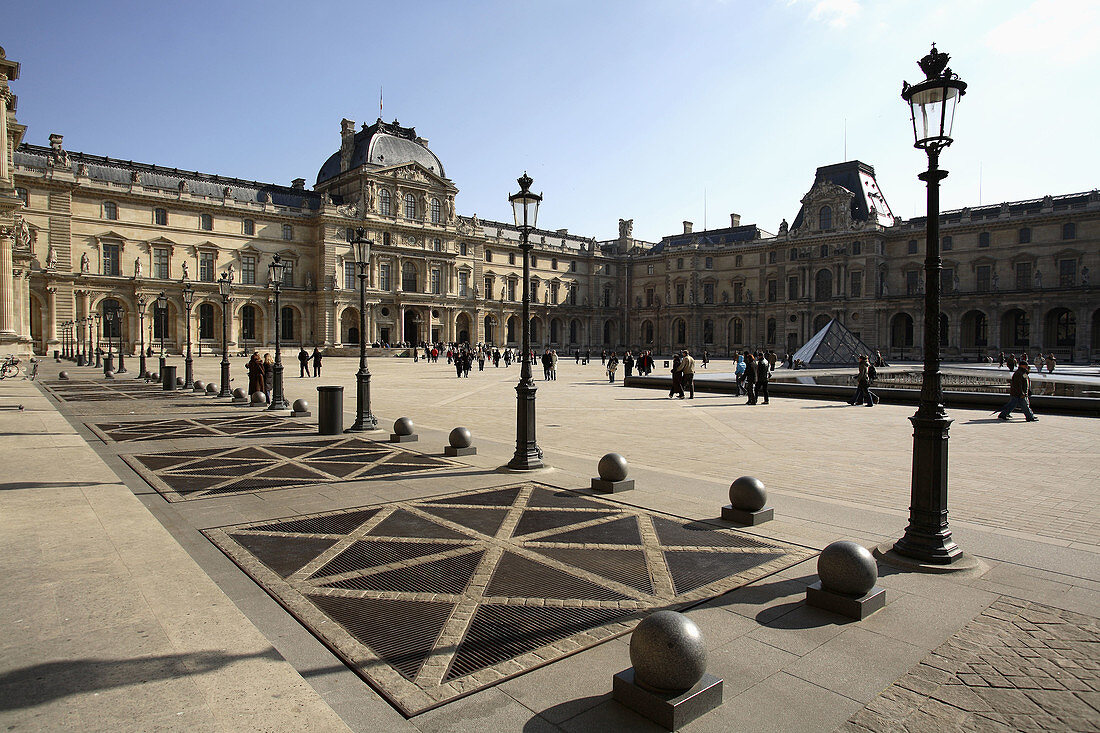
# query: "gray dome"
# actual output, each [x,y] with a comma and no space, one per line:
[384,144]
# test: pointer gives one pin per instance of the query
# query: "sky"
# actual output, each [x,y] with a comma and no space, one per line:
[658,112]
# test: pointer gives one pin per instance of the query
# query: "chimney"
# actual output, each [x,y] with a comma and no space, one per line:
[299,183]
[687,227]
[735,220]
[347,143]
[562,231]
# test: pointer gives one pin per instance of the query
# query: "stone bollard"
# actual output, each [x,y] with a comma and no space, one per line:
[179,381]
[300,408]
[168,378]
[748,502]
[200,386]
[239,396]
[330,409]
[257,399]
[613,470]
[211,389]
[461,443]
[63,375]
[668,682]
[403,431]
[848,573]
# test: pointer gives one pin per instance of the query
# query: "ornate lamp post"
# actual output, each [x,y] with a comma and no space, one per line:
[109,324]
[98,340]
[188,299]
[364,420]
[142,302]
[121,356]
[86,342]
[162,316]
[65,340]
[528,456]
[278,402]
[927,539]
[225,287]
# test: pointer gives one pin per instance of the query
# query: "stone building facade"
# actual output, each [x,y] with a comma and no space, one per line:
[84,234]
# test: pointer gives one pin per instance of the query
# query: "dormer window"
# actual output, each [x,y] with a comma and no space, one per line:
[825,218]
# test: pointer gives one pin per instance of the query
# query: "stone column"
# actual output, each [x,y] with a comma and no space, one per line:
[51,327]
[7,282]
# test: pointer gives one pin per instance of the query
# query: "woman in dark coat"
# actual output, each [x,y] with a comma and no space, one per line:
[269,376]
[255,369]
[316,362]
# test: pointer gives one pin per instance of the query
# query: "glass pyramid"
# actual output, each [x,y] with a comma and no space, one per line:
[833,345]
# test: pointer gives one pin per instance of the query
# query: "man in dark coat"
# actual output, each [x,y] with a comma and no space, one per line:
[303,362]
[762,372]
[677,389]
[316,362]
[750,378]
[628,364]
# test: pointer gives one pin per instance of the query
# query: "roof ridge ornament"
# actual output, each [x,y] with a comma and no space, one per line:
[934,65]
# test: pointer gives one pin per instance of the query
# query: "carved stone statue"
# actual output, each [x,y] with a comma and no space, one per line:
[182,186]
[58,158]
[996,280]
[626,228]
[1038,280]
[230,271]
[309,280]
[783,228]
[183,266]
[1085,277]
[24,237]
[82,169]
[51,258]
[450,208]
[85,264]
[885,289]
[227,192]
[135,177]
[955,282]
[139,268]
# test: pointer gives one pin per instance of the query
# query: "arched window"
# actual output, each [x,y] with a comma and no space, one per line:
[437,212]
[823,284]
[901,331]
[647,332]
[771,331]
[206,321]
[160,322]
[510,335]
[286,327]
[574,330]
[534,326]
[408,277]
[608,333]
[708,331]
[248,323]
[555,331]
[110,327]
[384,202]
[681,331]
[410,206]
[825,218]
[737,331]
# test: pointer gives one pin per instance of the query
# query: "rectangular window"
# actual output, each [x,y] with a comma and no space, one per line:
[23,196]
[738,260]
[463,249]
[489,286]
[206,222]
[708,263]
[1023,275]
[288,324]
[511,290]
[488,255]
[436,281]
[437,245]
[856,248]
[912,247]
[771,257]
[708,292]
[572,295]
[572,266]
[110,260]
[288,232]
[554,293]
[248,270]
[350,276]
[511,258]
[912,278]
[738,291]
[982,278]
[248,323]
[206,267]
[792,288]
[679,263]
[249,227]
[649,297]
[857,285]
[649,269]
[160,217]
[534,260]
[773,291]
[983,239]
[463,284]
[160,263]
[110,210]
[947,244]
[1025,235]
[288,274]
[947,280]
[680,294]
[553,263]
[1067,273]
[384,276]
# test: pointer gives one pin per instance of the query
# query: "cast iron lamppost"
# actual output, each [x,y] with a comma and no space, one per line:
[927,539]
[162,316]
[98,340]
[364,420]
[225,287]
[87,341]
[278,402]
[121,356]
[525,208]
[188,299]
[142,371]
[109,325]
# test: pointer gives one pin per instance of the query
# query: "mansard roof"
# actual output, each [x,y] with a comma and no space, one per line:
[112,170]
[728,235]
[384,144]
[1064,202]
[868,203]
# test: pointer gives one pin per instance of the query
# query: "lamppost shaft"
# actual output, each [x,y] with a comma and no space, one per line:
[98,342]
[142,370]
[121,355]
[364,419]
[225,391]
[188,373]
[528,455]
[278,402]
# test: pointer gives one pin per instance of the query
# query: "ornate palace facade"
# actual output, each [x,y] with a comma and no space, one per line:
[83,234]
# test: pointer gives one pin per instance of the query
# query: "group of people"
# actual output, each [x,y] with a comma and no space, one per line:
[867,374]
[752,374]
[1012,362]
[304,359]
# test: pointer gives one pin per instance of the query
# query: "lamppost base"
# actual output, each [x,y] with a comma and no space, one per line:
[365,426]
[279,405]
[964,565]
[188,374]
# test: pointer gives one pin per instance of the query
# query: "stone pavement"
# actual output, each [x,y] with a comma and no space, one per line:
[1023,497]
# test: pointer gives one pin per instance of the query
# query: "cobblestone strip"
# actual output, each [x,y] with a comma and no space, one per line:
[1018,666]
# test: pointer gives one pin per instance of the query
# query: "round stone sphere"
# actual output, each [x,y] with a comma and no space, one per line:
[460,438]
[667,652]
[748,494]
[108,375]
[179,381]
[63,375]
[258,398]
[403,426]
[300,406]
[156,377]
[847,567]
[612,467]
[200,386]
[211,388]
[239,394]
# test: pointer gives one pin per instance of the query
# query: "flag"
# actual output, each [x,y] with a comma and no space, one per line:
[379,101]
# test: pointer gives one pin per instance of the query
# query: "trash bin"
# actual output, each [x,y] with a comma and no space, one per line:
[168,378]
[330,410]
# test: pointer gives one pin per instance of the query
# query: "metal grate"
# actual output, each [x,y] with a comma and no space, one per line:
[449,575]
[518,577]
[372,553]
[341,523]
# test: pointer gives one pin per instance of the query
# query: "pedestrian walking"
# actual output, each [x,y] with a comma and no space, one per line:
[1051,362]
[269,377]
[750,378]
[677,389]
[1019,392]
[763,370]
[863,384]
[739,376]
[303,362]
[628,365]
[612,365]
[316,362]
[687,374]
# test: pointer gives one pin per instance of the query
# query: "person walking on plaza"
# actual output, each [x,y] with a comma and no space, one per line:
[1019,390]
[863,384]
[316,362]
[739,376]
[545,358]
[481,360]
[1051,363]
[612,365]
[1011,362]
[269,376]
[303,362]
[687,374]
[762,375]
[706,358]
[553,365]
[255,369]
[750,378]
[628,365]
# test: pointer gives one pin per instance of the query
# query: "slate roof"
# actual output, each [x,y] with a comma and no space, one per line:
[383,144]
[729,235]
[859,178]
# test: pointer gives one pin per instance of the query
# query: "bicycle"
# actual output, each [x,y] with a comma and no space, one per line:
[10,367]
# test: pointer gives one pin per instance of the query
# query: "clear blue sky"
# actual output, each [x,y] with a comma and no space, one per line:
[637,110]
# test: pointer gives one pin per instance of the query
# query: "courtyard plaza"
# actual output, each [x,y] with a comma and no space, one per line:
[123,615]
